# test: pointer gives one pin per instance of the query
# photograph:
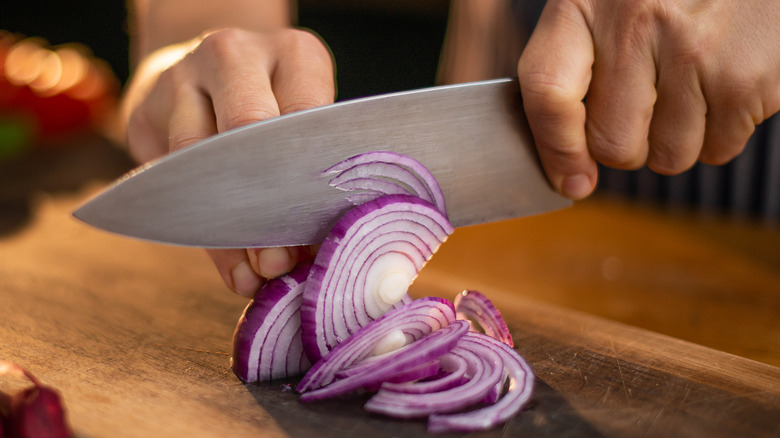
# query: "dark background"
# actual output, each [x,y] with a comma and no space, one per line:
[379,46]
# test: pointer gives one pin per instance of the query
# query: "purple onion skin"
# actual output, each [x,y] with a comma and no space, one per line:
[254,315]
[37,412]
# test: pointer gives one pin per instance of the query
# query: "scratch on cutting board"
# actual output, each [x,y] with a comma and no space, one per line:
[626,389]
[669,421]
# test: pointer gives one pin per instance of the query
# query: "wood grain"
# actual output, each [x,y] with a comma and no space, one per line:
[136,335]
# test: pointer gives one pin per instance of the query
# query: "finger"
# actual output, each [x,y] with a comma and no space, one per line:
[191,119]
[239,86]
[554,73]
[145,141]
[236,270]
[273,262]
[304,78]
[621,95]
[147,126]
[729,125]
[679,115]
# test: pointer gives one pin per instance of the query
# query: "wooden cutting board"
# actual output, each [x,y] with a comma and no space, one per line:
[136,336]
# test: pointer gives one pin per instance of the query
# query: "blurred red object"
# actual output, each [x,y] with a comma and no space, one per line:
[54,92]
[34,412]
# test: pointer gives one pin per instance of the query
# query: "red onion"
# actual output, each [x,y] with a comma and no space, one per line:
[267,340]
[385,173]
[477,308]
[521,380]
[365,265]
[415,320]
[35,412]
[351,314]
[484,368]
[387,367]
[452,372]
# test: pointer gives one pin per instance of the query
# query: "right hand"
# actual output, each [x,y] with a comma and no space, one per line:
[227,78]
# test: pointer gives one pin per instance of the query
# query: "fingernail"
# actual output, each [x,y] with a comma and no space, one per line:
[576,186]
[273,262]
[245,281]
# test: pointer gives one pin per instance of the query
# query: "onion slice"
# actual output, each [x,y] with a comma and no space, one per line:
[267,341]
[383,172]
[477,308]
[484,368]
[521,381]
[398,362]
[416,319]
[452,373]
[365,266]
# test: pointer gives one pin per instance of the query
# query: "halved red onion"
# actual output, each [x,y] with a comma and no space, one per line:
[387,173]
[521,381]
[267,341]
[365,266]
[476,307]
[415,320]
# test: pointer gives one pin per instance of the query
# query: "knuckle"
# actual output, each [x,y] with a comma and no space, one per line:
[221,40]
[614,150]
[719,154]
[300,103]
[546,92]
[304,44]
[716,158]
[180,140]
[666,165]
[245,113]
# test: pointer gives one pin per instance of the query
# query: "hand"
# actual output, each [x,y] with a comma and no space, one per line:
[657,82]
[225,79]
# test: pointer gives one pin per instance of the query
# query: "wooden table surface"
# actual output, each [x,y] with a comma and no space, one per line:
[637,322]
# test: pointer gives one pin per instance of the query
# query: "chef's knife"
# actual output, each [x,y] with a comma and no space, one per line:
[262,184]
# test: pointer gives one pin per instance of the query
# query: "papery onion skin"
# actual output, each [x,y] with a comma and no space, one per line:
[335,299]
[268,332]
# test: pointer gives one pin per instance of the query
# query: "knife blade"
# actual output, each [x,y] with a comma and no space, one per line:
[263,185]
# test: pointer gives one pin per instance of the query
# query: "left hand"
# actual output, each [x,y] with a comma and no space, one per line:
[224,79]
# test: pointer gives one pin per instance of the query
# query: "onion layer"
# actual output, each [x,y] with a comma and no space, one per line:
[365,265]
[521,380]
[378,173]
[267,341]
[415,320]
[477,308]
